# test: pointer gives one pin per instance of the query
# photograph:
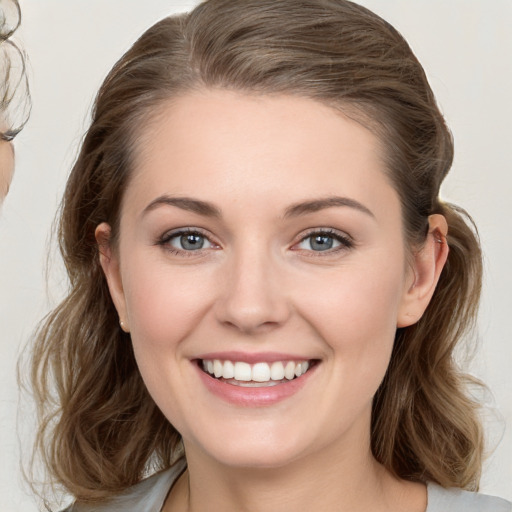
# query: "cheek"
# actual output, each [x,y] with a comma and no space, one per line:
[356,315]
[5,179]
[355,299]
[163,303]
[6,165]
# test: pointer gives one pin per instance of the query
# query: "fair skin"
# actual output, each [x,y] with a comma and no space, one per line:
[263,229]
[6,167]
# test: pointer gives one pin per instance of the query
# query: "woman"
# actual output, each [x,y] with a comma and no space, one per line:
[14,95]
[266,290]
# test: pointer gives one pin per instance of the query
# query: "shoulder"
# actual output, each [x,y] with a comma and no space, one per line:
[147,496]
[457,500]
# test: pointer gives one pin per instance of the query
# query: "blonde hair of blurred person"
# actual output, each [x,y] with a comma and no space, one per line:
[14,91]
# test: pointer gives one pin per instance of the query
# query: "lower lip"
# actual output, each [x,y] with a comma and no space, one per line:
[254,396]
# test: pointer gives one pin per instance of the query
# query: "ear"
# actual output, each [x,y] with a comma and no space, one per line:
[109,261]
[427,264]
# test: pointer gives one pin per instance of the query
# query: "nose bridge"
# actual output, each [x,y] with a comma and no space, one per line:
[252,297]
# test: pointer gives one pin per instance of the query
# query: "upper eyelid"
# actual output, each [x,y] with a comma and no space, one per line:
[185,230]
[324,231]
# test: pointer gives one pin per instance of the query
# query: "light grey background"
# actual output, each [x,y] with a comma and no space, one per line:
[466,48]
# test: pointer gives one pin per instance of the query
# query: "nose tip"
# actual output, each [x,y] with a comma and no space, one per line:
[252,299]
[249,322]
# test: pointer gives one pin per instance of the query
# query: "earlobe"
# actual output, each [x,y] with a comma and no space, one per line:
[110,264]
[428,263]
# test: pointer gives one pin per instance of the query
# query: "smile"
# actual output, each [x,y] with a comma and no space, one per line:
[261,374]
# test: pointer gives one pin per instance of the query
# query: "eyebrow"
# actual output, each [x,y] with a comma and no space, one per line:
[209,210]
[316,205]
[185,203]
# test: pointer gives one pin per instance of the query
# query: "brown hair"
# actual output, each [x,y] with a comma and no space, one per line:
[15,101]
[100,431]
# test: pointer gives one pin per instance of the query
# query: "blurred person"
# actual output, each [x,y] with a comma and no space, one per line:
[14,91]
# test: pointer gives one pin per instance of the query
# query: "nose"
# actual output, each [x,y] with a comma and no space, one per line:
[252,296]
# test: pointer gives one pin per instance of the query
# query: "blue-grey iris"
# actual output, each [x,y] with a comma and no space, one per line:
[321,242]
[192,242]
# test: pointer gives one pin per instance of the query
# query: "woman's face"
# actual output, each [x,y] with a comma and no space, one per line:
[260,235]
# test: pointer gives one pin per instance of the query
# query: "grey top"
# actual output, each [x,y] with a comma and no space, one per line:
[456,500]
[150,494]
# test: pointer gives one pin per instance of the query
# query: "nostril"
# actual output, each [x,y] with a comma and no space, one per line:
[250,327]
[258,316]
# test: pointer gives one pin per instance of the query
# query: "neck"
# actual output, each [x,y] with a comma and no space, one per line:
[330,480]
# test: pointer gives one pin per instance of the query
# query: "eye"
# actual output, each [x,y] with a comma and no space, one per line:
[322,241]
[188,240]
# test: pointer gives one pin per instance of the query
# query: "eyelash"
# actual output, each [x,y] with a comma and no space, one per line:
[164,241]
[345,241]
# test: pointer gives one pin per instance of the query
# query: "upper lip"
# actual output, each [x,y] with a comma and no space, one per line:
[252,358]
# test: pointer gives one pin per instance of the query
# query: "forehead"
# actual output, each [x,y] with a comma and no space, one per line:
[229,144]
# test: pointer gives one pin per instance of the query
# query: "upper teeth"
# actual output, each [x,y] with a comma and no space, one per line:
[259,372]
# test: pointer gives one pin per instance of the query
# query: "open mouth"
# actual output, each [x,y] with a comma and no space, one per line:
[239,373]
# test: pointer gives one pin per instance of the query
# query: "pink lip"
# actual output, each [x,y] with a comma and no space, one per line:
[258,357]
[254,397]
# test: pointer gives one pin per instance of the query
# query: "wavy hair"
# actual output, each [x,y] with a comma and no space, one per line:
[100,431]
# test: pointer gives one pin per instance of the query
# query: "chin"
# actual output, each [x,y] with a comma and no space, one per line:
[255,457]
[253,448]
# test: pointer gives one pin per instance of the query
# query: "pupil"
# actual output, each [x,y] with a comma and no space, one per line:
[192,242]
[321,243]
